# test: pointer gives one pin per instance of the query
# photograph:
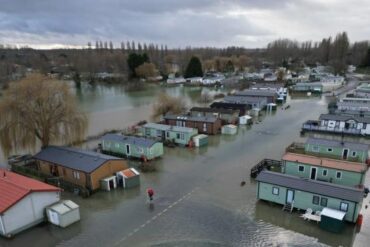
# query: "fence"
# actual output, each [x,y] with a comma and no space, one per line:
[56,181]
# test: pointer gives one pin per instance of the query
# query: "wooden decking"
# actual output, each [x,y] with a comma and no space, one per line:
[264,164]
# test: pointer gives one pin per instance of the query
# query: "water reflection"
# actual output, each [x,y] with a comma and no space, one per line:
[272,214]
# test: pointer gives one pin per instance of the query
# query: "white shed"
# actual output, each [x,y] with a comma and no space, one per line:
[246,119]
[63,213]
[229,129]
[108,183]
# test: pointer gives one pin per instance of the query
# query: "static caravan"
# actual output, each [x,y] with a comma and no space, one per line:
[324,169]
[179,135]
[303,193]
[351,151]
[131,146]
[205,125]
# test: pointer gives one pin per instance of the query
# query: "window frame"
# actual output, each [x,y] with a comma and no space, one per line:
[346,206]
[315,148]
[326,172]
[324,199]
[353,153]
[299,168]
[336,175]
[318,200]
[275,189]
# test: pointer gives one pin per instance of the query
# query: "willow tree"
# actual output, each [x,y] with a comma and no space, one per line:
[39,110]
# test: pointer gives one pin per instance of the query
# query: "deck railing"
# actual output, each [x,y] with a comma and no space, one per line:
[265,164]
[310,127]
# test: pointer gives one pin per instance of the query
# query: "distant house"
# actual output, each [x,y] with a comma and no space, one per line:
[306,193]
[324,169]
[131,146]
[22,202]
[80,167]
[242,108]
[162,132]
[229,116]
[253,102]
[204,125]
[270,95]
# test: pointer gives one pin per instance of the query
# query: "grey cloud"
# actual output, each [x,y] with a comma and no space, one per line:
[177,23]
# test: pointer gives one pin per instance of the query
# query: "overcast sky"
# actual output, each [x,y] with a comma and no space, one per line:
[178,23]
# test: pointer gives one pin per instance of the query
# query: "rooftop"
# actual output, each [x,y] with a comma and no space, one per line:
[244,99]
[134,140]
[335,143]
[325,162]
[344,118]
[208,109]
[74,158]
[165,127]
[191,118]
[14,187]
[312,186]
[257,92]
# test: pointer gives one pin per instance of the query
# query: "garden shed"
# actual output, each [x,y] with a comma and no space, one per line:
[332,220]
[63,213]
[200,140]
[229,129]
[128,178]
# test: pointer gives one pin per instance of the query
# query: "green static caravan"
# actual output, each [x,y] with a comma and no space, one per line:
[305,193]
[176,134]
[131,146]
[323,169]
[351,151]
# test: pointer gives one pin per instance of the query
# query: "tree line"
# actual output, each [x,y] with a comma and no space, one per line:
[161,60]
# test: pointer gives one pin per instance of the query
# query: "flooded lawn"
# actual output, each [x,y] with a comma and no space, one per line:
[199,200]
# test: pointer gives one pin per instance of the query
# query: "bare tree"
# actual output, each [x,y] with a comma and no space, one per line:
[36,110]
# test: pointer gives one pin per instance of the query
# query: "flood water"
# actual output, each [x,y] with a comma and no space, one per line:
[198,200]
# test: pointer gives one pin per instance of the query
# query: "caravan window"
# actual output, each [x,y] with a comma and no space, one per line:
[315,200]
[325,172]
[275,190]
[315,148]
[343,206]
[324,201]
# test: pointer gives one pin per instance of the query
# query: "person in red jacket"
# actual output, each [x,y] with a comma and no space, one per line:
[150,192]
